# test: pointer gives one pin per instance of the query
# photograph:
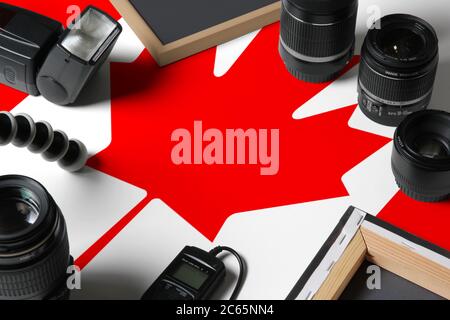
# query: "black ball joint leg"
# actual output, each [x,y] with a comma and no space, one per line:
[40,138]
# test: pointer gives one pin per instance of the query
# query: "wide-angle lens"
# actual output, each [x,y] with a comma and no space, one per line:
[398,68]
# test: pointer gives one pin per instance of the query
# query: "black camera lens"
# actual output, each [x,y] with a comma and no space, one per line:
[34,246]
[398,68]
[317,37]
[19,210]
[421,156]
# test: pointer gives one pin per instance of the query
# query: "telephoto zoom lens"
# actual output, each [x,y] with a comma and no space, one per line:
[421,156]
[317,37]
[34,246]
[399,59]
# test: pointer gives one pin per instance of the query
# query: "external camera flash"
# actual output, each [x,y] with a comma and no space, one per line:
[79,53]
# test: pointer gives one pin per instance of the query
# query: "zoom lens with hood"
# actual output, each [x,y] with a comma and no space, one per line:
[34,245]
[317,37]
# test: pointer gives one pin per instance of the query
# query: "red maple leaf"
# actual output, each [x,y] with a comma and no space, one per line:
[429,221]
[149,103]
[9,98]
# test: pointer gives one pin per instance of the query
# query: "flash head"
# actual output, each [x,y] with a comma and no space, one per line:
[79,53]
[91,31]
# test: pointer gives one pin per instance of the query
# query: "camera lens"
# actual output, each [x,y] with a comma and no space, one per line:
[19,210]
[34,247]
[398,68]
[421,156]
[317,37]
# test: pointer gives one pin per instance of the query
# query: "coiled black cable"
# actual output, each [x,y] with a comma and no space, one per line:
[242,268]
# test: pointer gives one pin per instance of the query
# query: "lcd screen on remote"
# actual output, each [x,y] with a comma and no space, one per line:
[190,276]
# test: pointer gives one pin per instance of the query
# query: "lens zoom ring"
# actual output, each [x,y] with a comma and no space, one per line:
[37,279]
[317,41]
[395,90]
[414,191]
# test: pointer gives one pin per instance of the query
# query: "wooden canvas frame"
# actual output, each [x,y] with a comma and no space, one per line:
[221,33]
[380,243]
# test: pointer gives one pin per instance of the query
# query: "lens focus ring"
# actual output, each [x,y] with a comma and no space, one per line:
[314,40]
[388,89]
[413,191]
[33,281]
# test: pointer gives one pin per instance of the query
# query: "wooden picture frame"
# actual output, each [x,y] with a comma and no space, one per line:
[168,53]
[360,237]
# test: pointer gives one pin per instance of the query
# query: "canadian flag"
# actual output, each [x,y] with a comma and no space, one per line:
[126,228]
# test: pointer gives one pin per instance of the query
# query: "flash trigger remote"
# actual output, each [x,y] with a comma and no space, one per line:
[193,275]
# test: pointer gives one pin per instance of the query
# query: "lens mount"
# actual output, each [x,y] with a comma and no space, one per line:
[421,156]
[34,246]
[398,68]
[317,37]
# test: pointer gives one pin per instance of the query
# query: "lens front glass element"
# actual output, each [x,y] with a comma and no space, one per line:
[18,210]
[401,43]
[88,34]
[432,147]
